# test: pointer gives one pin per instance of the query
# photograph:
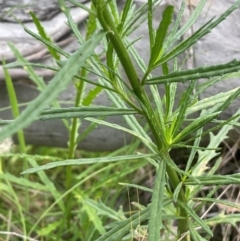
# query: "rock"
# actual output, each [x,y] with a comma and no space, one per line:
[217,47]
[32,49]
[10,10]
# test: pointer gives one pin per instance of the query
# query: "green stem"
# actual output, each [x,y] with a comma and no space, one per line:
[73,137]
[104,17]
[174,180]
[73,144]
[74,128]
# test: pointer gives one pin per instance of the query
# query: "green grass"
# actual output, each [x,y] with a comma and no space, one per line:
[95,186]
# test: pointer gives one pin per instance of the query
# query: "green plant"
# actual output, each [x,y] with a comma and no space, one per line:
[174,195]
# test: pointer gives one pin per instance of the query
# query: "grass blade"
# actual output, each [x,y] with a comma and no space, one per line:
[21,181]
[14,107]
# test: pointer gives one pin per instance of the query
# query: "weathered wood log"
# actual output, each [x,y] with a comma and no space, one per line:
[220,46]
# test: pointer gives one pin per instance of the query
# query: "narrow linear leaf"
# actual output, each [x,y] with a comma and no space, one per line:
[47,180]
[232,219]
[204,86]
[194,148]
[198,73]
[172,36]
[104,210]
[173,165]
[227,102]
[195,217]
[92,94]
[159,107]
[194,233]
[150,25]
[86,132]
[90,212]
[5,122]
[82,6]
[54,88]
[61,63]
[214,180]
[43,34]
[38,80]
[25,156]
[74,27]
[146,189]
[183,46]
[176,191]
[26,183]
[49,228]
[113,7]
[198,35]
[156,210]
[197,11]
[125,11]
[84,112]
[220,201]
[211,101]
[137,18]
[27,67]
[26,63]
[194,126]
[157,49]
[14,105]
[82,161]
[138,133]
[123,227]
[49,44]
[11,92]
[183,105]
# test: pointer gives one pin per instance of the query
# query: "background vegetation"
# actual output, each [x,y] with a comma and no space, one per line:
[51,197]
